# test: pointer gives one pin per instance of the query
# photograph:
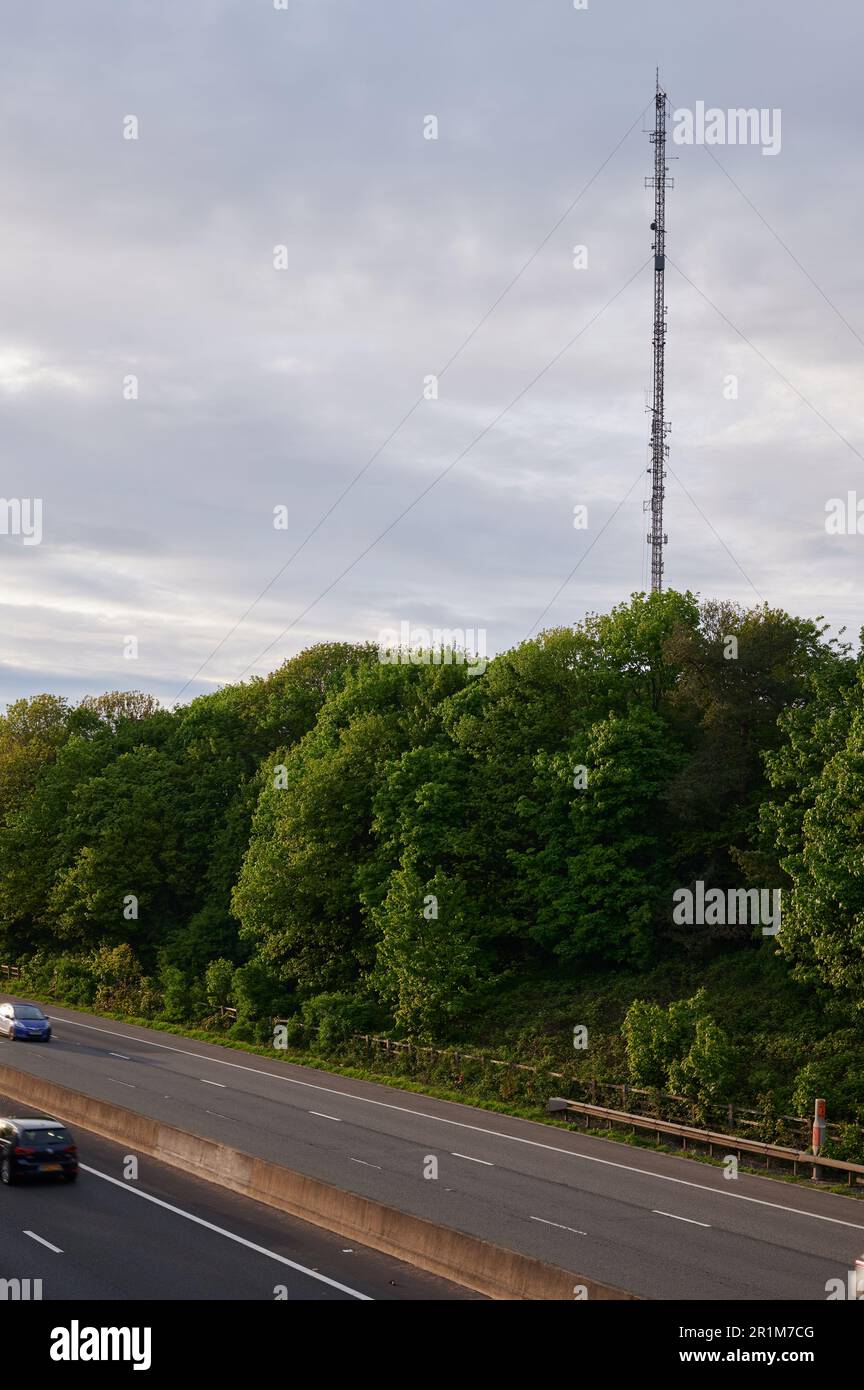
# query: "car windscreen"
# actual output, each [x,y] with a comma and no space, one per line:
[28,1011]
[56,1135]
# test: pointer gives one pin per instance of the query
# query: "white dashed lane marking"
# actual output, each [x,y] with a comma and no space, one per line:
[572,1154]
[688,1219]
[42,1241]
[557,1224]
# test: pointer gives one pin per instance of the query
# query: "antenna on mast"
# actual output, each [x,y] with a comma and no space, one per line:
[660,427]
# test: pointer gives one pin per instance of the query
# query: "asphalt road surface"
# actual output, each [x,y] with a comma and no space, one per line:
[166,1235]
[654,1224]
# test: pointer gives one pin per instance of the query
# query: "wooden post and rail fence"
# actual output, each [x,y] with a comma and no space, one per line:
[636,1117]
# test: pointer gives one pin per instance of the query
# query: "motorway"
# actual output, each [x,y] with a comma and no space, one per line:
[657,1225]
[165,1235]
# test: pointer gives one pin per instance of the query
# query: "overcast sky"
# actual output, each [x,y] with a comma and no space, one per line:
[261,387]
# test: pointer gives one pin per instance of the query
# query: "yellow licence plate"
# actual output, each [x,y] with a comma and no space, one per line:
[51,1167]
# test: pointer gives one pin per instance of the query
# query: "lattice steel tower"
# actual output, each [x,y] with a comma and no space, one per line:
[660,427]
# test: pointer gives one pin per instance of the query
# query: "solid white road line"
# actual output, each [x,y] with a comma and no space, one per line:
[558,1224]
[220,1231]
[367,1165]
[484,1161]
[121,1055]
[33,1236]
[688,1219]
[220,1084]
[322,1116]
[477,1129]
[118,1082]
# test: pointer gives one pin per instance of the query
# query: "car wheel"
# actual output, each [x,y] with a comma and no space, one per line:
[6,1174]
[70,1177]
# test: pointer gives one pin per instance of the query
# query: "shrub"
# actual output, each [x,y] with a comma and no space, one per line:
[332,1018]
[73,981]
[838,1079]
[257,994]
[118,978]
[175,994]
[218,983]
[680,1049]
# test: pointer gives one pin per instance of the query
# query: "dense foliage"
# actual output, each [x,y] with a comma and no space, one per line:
[409,846]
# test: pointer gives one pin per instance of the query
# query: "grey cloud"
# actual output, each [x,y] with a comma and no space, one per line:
[259,387]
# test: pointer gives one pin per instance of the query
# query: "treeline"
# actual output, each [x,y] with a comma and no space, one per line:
[396,846]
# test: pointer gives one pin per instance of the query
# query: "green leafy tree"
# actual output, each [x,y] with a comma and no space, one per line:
[31,734]
[430,964]
[218,983]
[814,823]
[596,873]
[298,896]
[680,1049]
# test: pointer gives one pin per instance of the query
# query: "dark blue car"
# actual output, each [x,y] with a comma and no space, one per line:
[35,1147]
[24,1022]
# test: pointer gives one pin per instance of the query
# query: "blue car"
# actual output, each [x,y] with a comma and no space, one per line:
[35,1146]
[24,1022]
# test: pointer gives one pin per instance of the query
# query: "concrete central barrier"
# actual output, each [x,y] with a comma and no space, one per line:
[464,1259]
